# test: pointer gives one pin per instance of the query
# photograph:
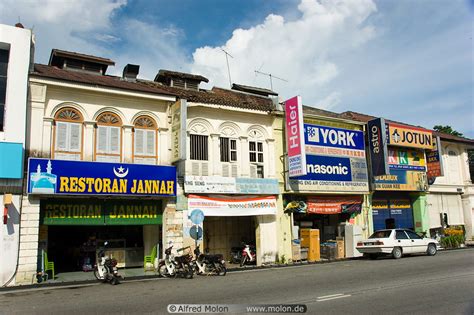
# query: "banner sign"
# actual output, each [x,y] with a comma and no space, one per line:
[400,135]
[406,159]
[334,205]
[85,212]
[335,161]
[231,185]
[378,146]
[57,177]
[295,136]
[233,206]
[401,180]
[434,162]
[178,130]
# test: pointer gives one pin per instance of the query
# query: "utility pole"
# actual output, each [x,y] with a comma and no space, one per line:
[271,76]
[228,69]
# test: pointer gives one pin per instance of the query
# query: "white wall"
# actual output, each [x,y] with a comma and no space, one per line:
[10,234]
[19,40]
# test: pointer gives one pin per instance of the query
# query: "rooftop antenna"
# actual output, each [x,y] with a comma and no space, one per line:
[228,69]
[271,76]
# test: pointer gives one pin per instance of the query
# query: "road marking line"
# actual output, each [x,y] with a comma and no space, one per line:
[328,296]
[333,298]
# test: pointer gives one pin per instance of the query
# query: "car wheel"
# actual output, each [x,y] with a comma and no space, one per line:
[431,251]
[397,253]
[373,256]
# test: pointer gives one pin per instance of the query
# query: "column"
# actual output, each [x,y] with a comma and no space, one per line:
[164,148]
[127,144]
[88,141]
[272,157]
[244,157]
[214,156]
[47,138]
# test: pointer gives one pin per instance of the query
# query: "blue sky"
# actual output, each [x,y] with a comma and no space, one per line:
[405,60]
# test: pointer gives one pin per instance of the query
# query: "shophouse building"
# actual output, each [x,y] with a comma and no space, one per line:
[451,192]
[333,194]
[224,147]
[99,166]
[16,51]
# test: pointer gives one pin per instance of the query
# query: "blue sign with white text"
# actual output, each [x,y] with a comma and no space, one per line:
[58,177]
[327,168]
[333,137]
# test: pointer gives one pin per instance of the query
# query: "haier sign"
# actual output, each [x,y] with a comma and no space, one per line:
[335,161]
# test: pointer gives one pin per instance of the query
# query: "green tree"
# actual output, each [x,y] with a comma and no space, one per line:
[447,129]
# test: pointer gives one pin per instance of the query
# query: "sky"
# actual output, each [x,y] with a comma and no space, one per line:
[405,60]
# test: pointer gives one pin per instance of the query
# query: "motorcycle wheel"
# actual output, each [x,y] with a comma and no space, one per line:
[243,261]
[114,281]
[96,274]
[163,271]
[221,270]
[188,271]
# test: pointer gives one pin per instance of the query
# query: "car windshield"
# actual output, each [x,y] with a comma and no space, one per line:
[381,234]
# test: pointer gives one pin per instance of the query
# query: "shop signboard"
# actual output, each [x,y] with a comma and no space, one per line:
[404,136]
[178,130]
[401,180]
[406,159]
[325,205]
[58,177]
[230,185]
[378,146]
[335,161]
[434,162]
[295,137]
[86,212]
[233,206]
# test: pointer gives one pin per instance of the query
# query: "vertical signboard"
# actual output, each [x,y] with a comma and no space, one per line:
[178,130]
[378,147]
[434,162]
[295,137]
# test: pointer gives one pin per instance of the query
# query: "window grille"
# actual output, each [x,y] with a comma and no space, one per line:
[199,147]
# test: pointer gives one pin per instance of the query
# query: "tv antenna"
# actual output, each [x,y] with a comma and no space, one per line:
[228,69]
[271,77]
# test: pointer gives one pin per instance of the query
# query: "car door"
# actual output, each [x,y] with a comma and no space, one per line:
[402,240]
[418,245]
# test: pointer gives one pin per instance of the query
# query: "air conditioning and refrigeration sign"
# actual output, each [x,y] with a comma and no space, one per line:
[335,160]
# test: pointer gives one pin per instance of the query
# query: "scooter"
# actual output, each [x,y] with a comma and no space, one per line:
[209,264]
[106,268]
[248,255]
[172,266]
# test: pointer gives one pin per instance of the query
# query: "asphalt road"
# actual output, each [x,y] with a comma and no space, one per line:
[443,284]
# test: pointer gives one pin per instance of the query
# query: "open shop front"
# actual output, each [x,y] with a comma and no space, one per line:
[232,221]
[72,231]
[335,218]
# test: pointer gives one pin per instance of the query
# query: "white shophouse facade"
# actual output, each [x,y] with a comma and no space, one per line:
[451,196]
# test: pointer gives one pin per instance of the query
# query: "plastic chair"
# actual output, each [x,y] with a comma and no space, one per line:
[150,258]
[48,265]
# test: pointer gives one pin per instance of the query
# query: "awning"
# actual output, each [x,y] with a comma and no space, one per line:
[227,206]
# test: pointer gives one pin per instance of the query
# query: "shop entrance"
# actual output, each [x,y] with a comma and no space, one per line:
[73,248]
[222,235]
[392,214]
[330,226]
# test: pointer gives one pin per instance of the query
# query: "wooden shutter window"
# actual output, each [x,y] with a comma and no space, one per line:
[114,140]
[61,136]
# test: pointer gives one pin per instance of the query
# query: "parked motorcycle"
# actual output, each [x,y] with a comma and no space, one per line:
[249,255]
[106,268]
[209,264]
[173,266]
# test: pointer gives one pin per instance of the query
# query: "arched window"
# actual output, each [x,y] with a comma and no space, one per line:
[68,134]
[144,141]
[108,140]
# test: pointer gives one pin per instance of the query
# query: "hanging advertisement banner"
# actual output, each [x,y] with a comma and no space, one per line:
[178,130]
[434,162]
[86,212]
[230,185]
[335,161]
[295,137]
[232,206]
[378,146]
[58,177]
[404,136]
[401,180]
[334,205]
[406,159]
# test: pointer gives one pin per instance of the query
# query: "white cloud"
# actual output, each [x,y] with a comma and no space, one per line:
[300,51]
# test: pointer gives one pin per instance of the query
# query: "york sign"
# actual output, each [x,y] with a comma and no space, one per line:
[413,137]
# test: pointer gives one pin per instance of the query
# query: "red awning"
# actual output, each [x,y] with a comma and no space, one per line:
[333,205]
